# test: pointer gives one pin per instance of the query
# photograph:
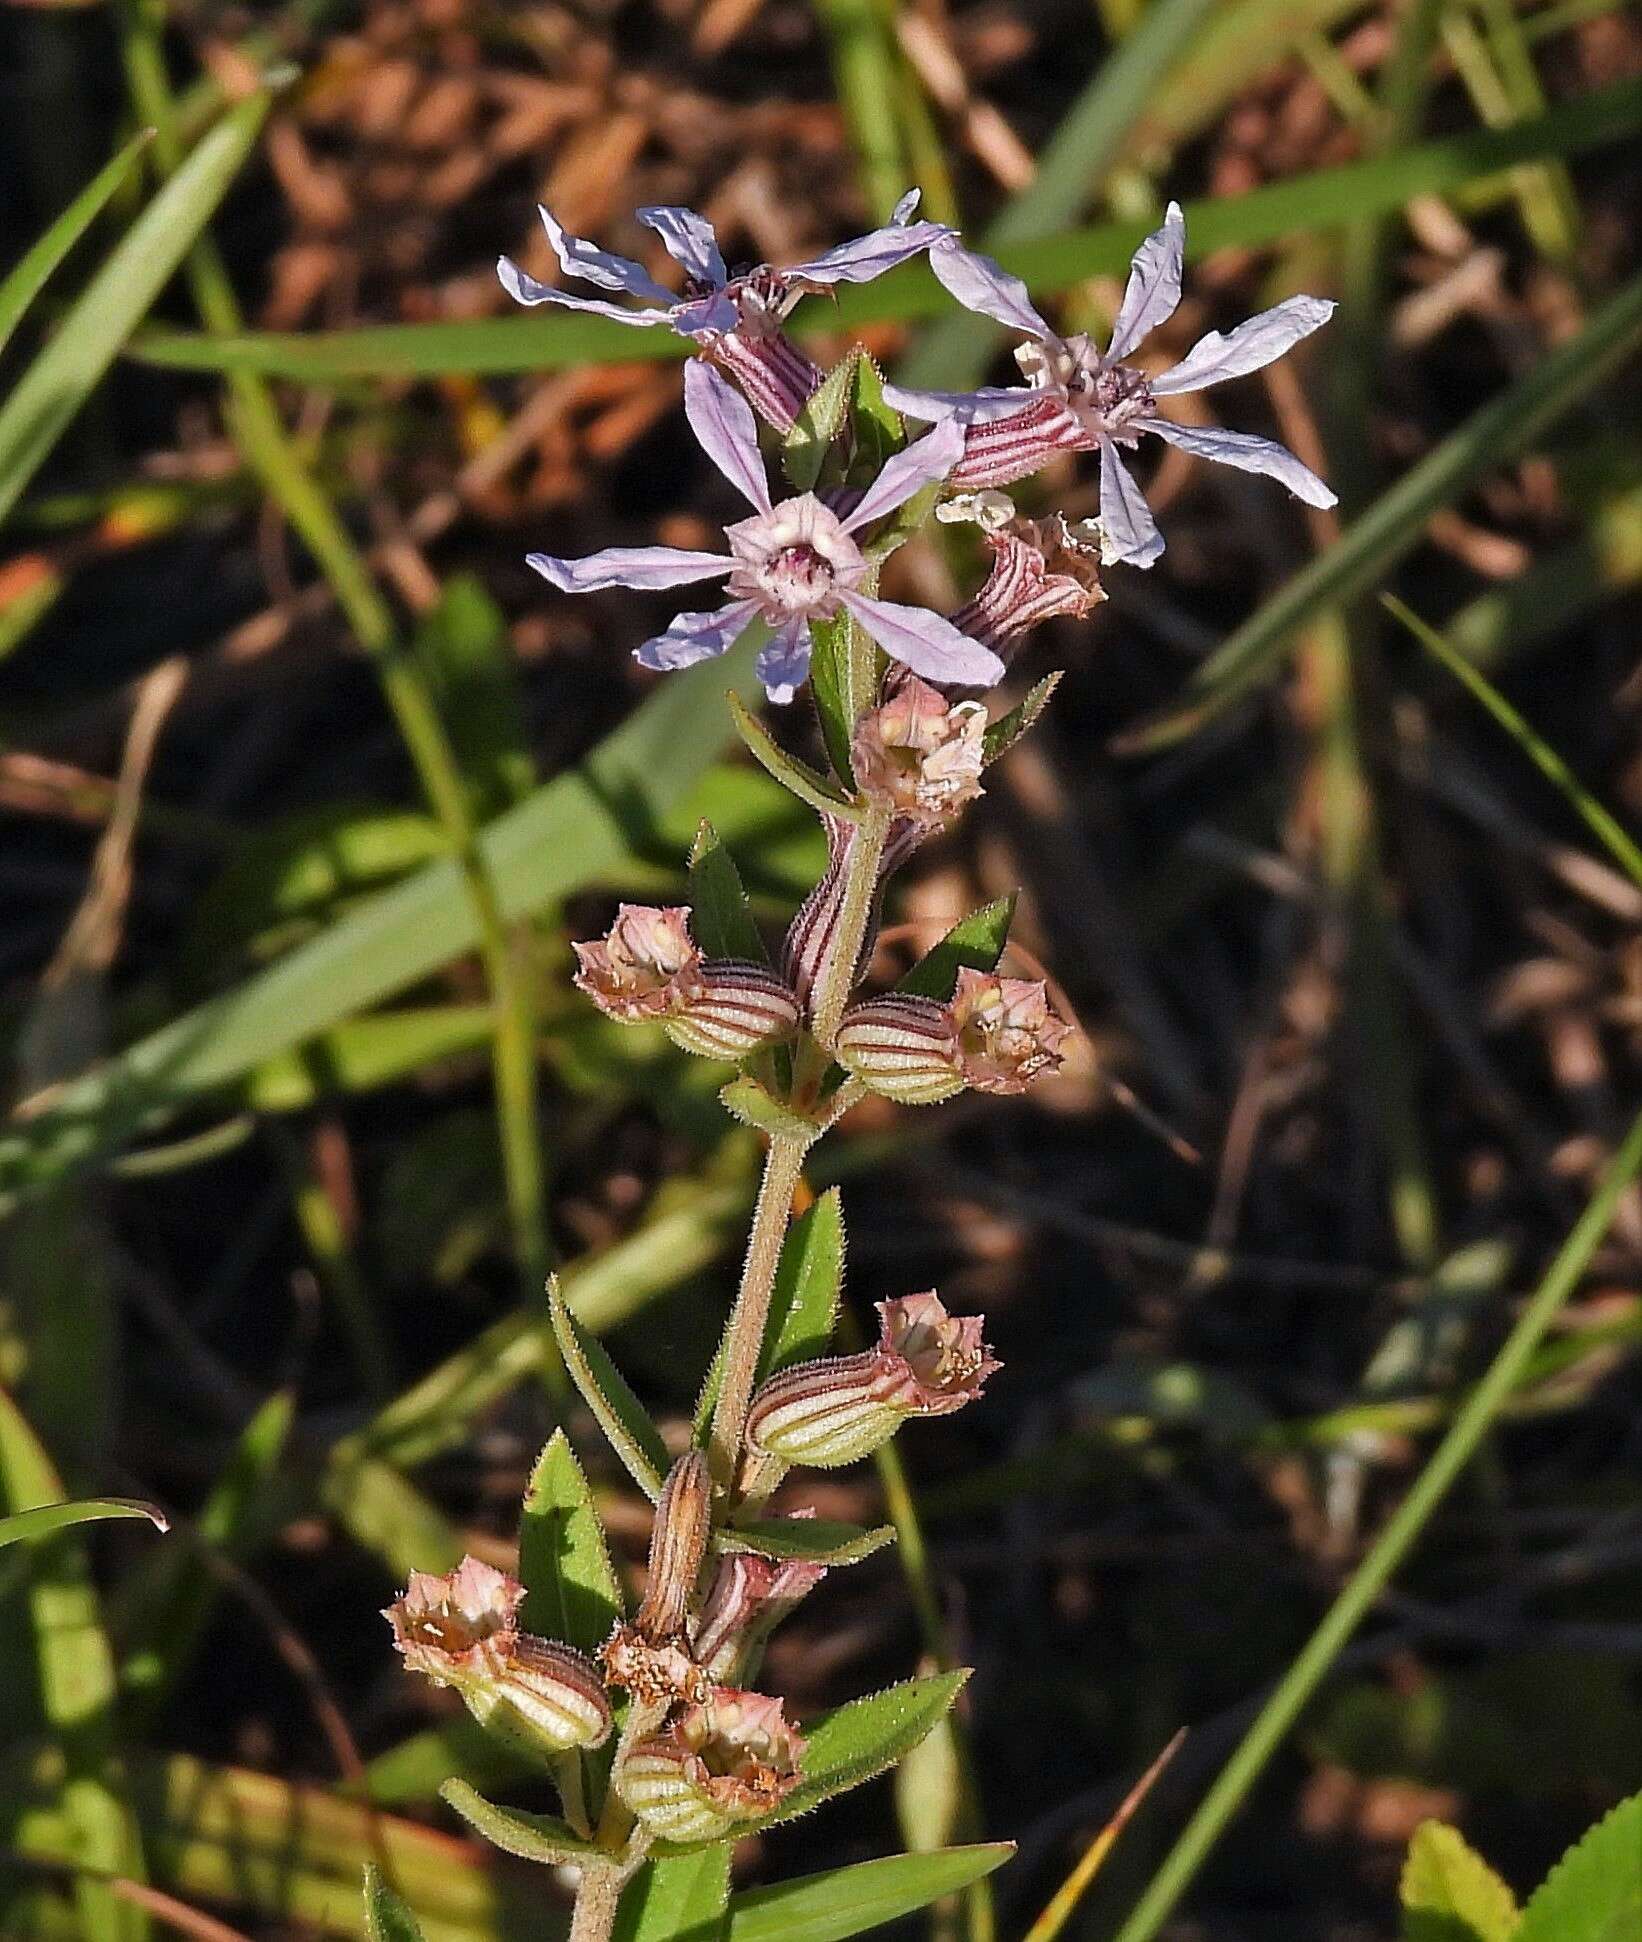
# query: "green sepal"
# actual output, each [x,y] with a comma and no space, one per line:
[804,451]
[564,1565]
[818,1540]
[387,1919]
[1007,730]
[721,920]
[745,1099]
[620,1414]
[808,784]
[532,1837]
[975,942]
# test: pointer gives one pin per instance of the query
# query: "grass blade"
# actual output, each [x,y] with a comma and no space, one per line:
[26,280]
[61,378]
[45,1520]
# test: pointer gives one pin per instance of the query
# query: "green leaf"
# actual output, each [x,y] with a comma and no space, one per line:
[976,942]
[568,834]
[753,1105]
[861,1739]
[622,1417]
[1450,1894]
[877,429]
[808,1281]
[833,689]
[819,1539]
[532,1837]
[1393,525]
[808,784]
[29,1526]
[28,277]
[563,1562]
[849,1901]
[1325,199]
[386,1916]
[1594,1893]
[677,1898]
[720,920]
[804,451]
[365,1054]
[61,378]
[1007,730]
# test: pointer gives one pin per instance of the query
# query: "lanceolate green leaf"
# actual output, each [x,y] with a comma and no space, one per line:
[532,1837]
[60,379]
[1594,1893]
[849,1901]
[678,1898]
[1450,1894]
[45,1520]
[386,1916]
[720,920]
[1326,199]
[808,1281]
[804,782]
[861,1739]
[976,941]
[1392,526]
[563,837]
[819,1539]
[1007,730]
[28,277]
[573,1592]
[622,1417]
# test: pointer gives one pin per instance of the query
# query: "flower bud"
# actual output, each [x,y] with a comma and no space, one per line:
[462,1630]
[738,1008]
[903,1047]
[1007,1034]
[729,1760]
[841,1408]
[645,966]
[919,754]
[748,1598]
[651,1658]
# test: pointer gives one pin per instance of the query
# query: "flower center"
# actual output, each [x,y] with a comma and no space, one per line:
[794,560]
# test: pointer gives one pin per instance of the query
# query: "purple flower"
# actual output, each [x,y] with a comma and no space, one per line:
[734,320]
[1081,399]
[791,563]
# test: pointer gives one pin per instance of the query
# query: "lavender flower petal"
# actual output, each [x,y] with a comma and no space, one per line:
[582,259]
[689,240]
[697,637]
[1128,532]
[526,290]
[968,407]
[629,566]
[707,316]
[927,643]
[1153,293]
[1248,454]
[869,256]
[986,287]
[1250,347]
[726,430]
[784,661]
[927,459]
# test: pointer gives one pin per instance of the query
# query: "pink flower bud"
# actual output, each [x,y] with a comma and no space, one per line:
[462,1630]
[1007,1034]
[919,754]
[646,965]
[730,1760]
[748,1598]
[738,1008]
[841,1408]
[903,1047]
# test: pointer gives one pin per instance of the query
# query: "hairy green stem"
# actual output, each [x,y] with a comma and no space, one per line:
[837,979]
[744,1340]
[1449,1458]
[598,1896]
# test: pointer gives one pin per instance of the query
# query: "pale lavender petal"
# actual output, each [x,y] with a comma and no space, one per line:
[927,643]
[985,287]
[689,240]
[968,407]
[525,289]
[705,316]
[593,265]
[1252,346]
[629,566]
[924,461]
[906,208]
[697,637]
[726,430]
[1128,532]
[1248,454]
[1153,294]
[784,661]
[866,257]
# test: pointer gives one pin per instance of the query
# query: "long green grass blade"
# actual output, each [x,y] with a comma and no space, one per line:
[60,379]
[28,277]
[45,1520]
[1327,199]
[1392,526]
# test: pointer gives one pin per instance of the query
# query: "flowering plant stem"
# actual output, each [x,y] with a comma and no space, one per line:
[1388,1551]
[837,978]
